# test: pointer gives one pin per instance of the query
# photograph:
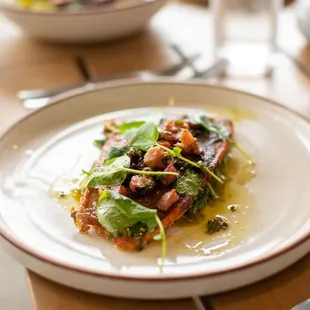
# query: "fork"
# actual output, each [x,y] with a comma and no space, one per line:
[37,98]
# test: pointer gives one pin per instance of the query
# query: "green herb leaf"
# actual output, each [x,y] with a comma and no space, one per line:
[130,125]
[111,173]
[117,213]
[99,143]
[144,137]
[116,151]
[129,134]
[189,183]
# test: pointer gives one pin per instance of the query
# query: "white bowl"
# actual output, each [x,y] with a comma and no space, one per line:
[84,26]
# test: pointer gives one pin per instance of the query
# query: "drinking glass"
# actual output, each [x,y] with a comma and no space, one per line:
[245,33]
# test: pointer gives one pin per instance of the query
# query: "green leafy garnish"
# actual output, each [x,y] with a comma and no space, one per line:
[114,172]
[99,143]
[189,183]
[205,122]
[176,152]
[129,134]
[111,173]
[130,125]
[116,213]
[116,151]
[146,137]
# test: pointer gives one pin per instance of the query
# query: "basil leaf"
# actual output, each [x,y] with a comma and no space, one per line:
[144,137]
[129,134]
[99,143]
[116,213]
[116,151]
[130,125]
[189,183]
[110,173]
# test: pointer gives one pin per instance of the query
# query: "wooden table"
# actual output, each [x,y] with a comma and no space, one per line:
[25,63]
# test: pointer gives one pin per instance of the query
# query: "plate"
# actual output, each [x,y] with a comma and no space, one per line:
[43,152]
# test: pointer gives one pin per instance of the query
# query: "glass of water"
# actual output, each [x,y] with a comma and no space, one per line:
[245,33]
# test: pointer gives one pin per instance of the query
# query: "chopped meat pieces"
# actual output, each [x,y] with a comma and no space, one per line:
[169,178]
[140,188]
[167,200]
[141,184]
[123,190]
[175,125]
[154,158]
[188,142]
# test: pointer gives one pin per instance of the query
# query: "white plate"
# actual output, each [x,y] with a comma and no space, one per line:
[86,25]
[56,141]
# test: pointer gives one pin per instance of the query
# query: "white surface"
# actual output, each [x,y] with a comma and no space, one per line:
[83,27]
[47,144]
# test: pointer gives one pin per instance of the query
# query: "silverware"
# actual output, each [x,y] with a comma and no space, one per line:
[214,69]
[305,305]
[37,98]
[26,95]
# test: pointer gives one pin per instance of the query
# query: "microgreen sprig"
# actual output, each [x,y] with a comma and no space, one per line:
[146,137]
[163,241]
[114,172]
[176,152]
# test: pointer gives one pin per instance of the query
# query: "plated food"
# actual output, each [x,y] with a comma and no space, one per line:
[149,176]
[45,152]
